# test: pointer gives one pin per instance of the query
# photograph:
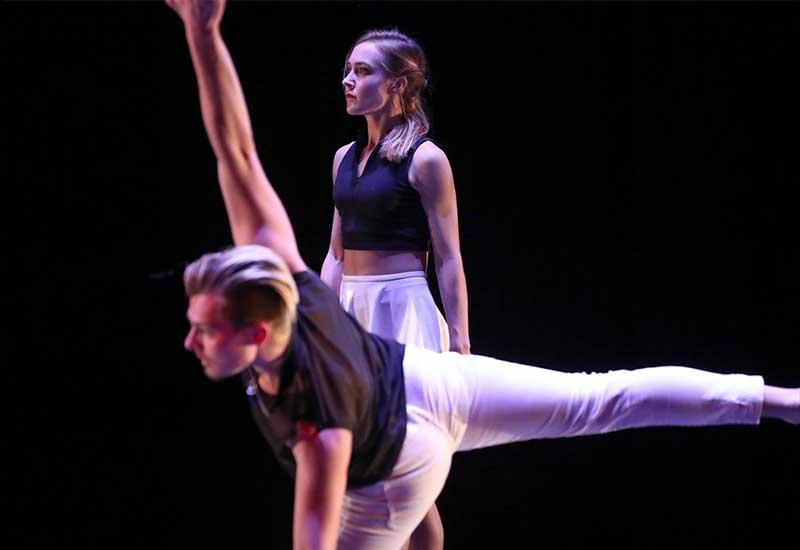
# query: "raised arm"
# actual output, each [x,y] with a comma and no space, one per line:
[432,177]
[255,211]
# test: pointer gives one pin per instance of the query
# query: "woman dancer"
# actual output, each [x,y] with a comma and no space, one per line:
[394,196]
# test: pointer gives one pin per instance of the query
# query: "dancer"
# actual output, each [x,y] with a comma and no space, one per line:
[394,195]
[367,425]
[380,236]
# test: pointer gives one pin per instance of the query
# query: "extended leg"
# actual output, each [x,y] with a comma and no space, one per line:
[483,402]
[509,402]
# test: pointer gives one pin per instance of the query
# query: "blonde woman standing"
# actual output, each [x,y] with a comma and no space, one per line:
[395,197]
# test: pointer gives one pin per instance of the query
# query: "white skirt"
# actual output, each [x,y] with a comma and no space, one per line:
[397,306]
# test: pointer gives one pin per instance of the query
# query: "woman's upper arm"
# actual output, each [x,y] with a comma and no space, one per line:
[431,175]
[337,158]
[336,227]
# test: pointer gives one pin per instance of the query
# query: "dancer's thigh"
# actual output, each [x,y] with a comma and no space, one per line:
[383,515]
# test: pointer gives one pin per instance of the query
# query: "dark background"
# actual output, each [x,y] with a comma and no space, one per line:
[625,177]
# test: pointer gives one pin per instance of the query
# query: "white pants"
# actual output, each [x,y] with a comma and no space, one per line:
[459,402]
[397,306]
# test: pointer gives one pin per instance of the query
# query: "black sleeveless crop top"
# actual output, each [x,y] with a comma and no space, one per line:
[380,210]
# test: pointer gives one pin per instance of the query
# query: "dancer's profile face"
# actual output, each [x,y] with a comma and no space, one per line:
[222,349]
[366,85]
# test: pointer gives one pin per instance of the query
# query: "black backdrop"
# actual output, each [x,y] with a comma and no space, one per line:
[624,176]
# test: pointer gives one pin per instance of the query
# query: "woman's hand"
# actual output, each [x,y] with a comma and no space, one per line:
[459,343]
[199,14]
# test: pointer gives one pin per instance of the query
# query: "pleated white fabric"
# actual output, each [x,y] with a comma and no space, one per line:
[398,306]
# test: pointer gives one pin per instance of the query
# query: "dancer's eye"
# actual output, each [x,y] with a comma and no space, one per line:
[204,329]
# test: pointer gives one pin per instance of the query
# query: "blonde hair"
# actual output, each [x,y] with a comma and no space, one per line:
[255,282]
[401,57]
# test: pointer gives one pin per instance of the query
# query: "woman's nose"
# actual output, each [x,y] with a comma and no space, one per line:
[347,82]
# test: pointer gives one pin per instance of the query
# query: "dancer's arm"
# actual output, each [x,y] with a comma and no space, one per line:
[255,211]
[331,272]
[321,479]
[432,177]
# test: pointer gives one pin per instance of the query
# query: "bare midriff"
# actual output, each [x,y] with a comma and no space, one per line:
[383,262]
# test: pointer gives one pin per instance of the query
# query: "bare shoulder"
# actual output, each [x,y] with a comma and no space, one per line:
[340,152]
[338,156]
[429,166]
[429,154]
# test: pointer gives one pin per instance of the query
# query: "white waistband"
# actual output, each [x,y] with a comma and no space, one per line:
[382,277]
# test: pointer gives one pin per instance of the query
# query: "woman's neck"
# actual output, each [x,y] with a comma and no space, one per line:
[378,125]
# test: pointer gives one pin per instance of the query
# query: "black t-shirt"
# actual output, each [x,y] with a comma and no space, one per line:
[335,375]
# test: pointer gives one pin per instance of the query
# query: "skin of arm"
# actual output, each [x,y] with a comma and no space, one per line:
[322,460]
[255,212]
[782,404]
[331,273]
[432,177]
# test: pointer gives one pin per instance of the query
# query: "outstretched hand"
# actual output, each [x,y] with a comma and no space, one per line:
[199,14]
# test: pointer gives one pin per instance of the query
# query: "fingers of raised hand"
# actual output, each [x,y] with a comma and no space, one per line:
[198,12]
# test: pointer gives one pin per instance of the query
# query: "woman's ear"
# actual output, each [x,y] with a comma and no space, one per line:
[399,85]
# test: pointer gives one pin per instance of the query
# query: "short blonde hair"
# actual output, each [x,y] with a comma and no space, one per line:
[255,282]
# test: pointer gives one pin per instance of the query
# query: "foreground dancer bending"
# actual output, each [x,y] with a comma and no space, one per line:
[366,425]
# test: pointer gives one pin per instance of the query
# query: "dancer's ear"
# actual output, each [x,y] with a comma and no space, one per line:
[398,86]
[257,332]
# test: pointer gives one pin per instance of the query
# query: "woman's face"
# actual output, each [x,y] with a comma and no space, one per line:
[366,86]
